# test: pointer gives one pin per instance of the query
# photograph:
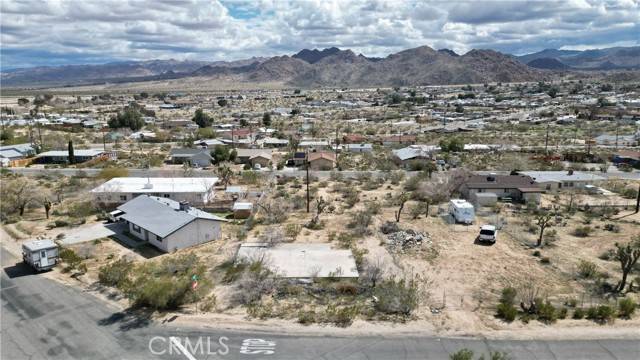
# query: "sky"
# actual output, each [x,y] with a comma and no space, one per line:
[59,32]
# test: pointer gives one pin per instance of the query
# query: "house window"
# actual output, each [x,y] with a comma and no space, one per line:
[167,195]
[135,227]
[480,190]
[158,238]
[123,197]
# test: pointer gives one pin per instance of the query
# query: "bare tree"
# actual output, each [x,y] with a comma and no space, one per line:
[628,256]
[373,272]
[17,194]
[401,200]
[274,212]
[272,236]
[543,221]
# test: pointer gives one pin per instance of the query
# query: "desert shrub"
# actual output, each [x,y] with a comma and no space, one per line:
[546,312]
[255,281]
[506,309]
[116,273]
[360,221]
[306,317]
[397,296]
[562,313]
[389,227]
[612,227]
[582,231]
[572,302]
[463,354]
[600,314]
[208,304]
[587,269]
[81,209]
[166,284]
[340,316]
[69,257]
[626,308]
[292,230]
[346,288]
[578,314]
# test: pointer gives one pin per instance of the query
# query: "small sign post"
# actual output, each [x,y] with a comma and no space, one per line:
[194,286]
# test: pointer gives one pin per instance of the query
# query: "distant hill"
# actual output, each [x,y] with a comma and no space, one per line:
[596,59]
[307,68]
[448,51]
[548,64]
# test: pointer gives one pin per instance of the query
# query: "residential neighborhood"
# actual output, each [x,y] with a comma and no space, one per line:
[320,180]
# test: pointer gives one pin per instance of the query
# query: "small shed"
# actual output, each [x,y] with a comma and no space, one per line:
[242,210]
[42,255]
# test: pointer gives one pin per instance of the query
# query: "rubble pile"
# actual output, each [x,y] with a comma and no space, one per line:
[403,240]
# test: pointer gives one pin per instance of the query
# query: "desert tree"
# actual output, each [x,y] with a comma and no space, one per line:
[374,271]
[274,212]
[17,194]
[543,221]
[272,235]
[321,206]
[47,206]
[401,200]
[628,255]
[225,173]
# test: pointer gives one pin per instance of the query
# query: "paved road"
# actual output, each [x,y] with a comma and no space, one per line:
[42,319]
[33,171]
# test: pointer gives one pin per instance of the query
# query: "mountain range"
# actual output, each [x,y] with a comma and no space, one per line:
[334,67]
[596,59]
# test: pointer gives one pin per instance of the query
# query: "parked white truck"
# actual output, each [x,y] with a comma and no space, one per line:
[42,255]
[462,211]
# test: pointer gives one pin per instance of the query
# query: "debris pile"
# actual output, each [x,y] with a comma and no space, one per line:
[403,240]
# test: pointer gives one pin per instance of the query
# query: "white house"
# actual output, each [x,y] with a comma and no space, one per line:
[168,224]
[557,180]
[195,190]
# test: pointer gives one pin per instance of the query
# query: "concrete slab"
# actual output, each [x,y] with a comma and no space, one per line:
[302,260]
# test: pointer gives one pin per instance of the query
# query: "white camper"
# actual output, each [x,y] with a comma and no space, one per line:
[462,211]
[42,255]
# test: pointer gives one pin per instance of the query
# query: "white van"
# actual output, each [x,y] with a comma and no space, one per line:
[462,211]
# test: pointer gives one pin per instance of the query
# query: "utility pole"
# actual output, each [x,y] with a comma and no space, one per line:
[306,160]
[546,141]
[638,201]
[337,165]
[617,132]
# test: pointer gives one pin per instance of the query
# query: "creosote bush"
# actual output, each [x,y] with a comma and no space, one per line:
[159,285]
[397,296]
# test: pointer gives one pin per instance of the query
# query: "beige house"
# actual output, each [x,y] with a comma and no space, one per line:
[322,160]
[516,188]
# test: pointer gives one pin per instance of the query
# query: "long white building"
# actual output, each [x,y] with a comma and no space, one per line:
[194,190]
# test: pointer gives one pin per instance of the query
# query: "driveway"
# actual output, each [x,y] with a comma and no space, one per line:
[89,232]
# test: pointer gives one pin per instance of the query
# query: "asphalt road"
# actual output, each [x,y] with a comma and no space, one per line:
[42,319]
[34,171]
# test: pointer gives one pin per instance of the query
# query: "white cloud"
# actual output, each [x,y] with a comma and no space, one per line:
[51,32]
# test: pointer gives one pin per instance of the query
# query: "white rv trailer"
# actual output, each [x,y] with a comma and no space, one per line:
[462,211]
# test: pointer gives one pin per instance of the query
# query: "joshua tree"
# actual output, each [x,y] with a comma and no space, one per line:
[402,199]
[628,256]
[47,206]
[543,221]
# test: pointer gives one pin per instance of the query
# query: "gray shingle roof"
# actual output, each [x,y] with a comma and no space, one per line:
[161,216]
